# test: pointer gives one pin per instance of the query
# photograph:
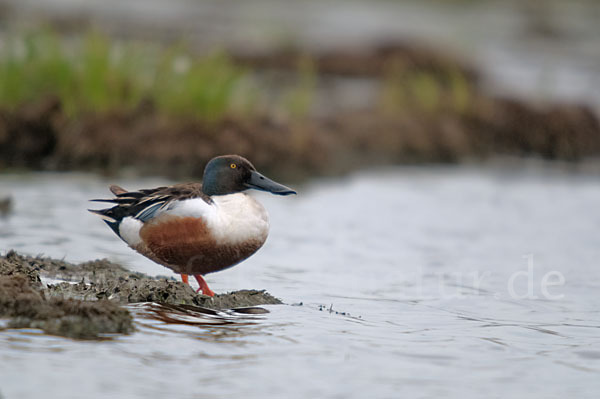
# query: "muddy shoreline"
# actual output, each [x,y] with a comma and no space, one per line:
[89,306]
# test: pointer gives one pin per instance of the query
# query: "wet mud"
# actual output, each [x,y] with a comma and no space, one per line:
[89,305]
[25,304]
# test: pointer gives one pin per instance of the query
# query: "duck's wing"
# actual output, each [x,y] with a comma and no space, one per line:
[144,205]
[116,190]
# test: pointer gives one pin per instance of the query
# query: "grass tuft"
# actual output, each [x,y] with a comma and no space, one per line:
[96,74]
[425,91]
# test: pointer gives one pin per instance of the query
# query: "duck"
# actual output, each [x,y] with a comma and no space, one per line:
[196,228]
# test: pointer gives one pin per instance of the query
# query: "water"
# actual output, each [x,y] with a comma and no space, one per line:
[404,277]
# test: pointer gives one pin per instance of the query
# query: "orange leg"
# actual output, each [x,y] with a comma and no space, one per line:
[203,286]
[184,278]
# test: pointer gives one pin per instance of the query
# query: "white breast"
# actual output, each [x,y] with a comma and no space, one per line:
[231,218]
[238,218]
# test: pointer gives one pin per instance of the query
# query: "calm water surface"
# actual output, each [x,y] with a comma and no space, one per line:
[441,283]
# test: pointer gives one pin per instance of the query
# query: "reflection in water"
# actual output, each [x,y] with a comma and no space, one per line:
[217,326]
[401,280]
[194,315]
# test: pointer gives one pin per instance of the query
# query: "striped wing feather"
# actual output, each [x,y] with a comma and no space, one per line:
[144,204]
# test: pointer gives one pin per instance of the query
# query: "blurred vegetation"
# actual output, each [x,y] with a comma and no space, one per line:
[301,96]
[95,73]
[426,91]
[282,108]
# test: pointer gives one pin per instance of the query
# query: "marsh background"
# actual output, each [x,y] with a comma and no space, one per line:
[446,158]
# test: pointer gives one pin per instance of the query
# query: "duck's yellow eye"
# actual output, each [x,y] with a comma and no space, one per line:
[233,166]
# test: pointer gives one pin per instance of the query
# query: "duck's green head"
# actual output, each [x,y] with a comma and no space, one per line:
[228,174]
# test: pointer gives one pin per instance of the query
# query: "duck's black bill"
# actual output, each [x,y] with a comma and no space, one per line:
[262,183]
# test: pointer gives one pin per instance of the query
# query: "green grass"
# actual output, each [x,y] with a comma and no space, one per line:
[96,74]
[425,91]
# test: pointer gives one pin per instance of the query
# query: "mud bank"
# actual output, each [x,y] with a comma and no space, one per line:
[327,146]
[429,108]
[90,308]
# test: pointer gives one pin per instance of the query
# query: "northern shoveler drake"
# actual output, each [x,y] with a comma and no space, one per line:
[196,228]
